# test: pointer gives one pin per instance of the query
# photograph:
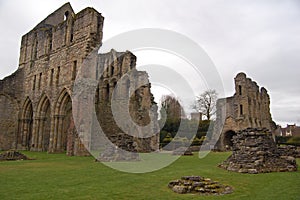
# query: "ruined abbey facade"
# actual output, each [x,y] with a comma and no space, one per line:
[249,107]
[36,100]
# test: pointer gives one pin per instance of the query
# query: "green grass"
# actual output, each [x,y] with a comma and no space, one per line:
[56,176]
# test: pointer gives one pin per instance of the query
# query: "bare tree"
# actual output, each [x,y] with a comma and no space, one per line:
[172,107]
[206,103]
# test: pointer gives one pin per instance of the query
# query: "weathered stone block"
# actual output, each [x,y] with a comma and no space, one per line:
[262,159]
[199,185]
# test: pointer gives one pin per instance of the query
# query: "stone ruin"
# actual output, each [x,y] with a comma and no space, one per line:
[289,150]
[254,151]
[37,100]
[199,185]
[13,155]
[114,154]
[120,151]
[248,107]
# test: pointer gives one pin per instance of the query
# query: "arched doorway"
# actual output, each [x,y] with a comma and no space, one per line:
[26,132]
[43,124]
[228,135]
[67,120]
[64,123]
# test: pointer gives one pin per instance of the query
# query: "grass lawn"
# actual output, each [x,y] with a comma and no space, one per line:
[56,176]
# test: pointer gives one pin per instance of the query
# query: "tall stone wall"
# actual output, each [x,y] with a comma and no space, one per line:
[249,107]
[128,89]
[50,56]
[10,90]
[37,98]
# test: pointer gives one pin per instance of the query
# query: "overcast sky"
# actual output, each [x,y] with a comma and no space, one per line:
[260,38]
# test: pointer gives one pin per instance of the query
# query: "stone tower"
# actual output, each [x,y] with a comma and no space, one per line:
[36,100]
[249,107]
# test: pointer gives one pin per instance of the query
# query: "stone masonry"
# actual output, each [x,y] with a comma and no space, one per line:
[254,151]
[249,107]
[36,100]
[199,185]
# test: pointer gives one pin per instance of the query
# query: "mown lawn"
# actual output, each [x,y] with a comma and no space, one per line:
[56,176]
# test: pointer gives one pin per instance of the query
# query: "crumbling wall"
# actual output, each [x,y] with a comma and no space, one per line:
[11,90]
[254,151]
[36,101]
[249,107]
[129,89]
[50,57]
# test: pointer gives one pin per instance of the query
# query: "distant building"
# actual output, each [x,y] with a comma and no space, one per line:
[196,116]
[289,130]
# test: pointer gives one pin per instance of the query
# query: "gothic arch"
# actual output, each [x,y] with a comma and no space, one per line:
[42,105]
[63,98]
[113,86]
[63,119]
[227,139]
[112,81]
[42,121]
[26,124]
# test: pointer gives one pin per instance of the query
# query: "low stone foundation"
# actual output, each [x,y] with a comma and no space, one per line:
[199,185]
[12,155]
[254,151]
[289,150]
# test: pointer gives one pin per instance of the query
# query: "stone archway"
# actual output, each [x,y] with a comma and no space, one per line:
[27,122]
[227,141]
[67,122]
[62,120]
[66,137]
[41,136]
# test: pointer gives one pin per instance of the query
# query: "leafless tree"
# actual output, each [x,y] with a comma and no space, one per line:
[206,103]
[172,107]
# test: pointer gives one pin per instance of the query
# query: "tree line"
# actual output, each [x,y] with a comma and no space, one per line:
[174,124]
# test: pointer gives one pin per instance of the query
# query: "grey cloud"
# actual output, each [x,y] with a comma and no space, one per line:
[259,37]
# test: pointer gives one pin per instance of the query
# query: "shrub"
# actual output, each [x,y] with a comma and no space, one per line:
[294,141]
